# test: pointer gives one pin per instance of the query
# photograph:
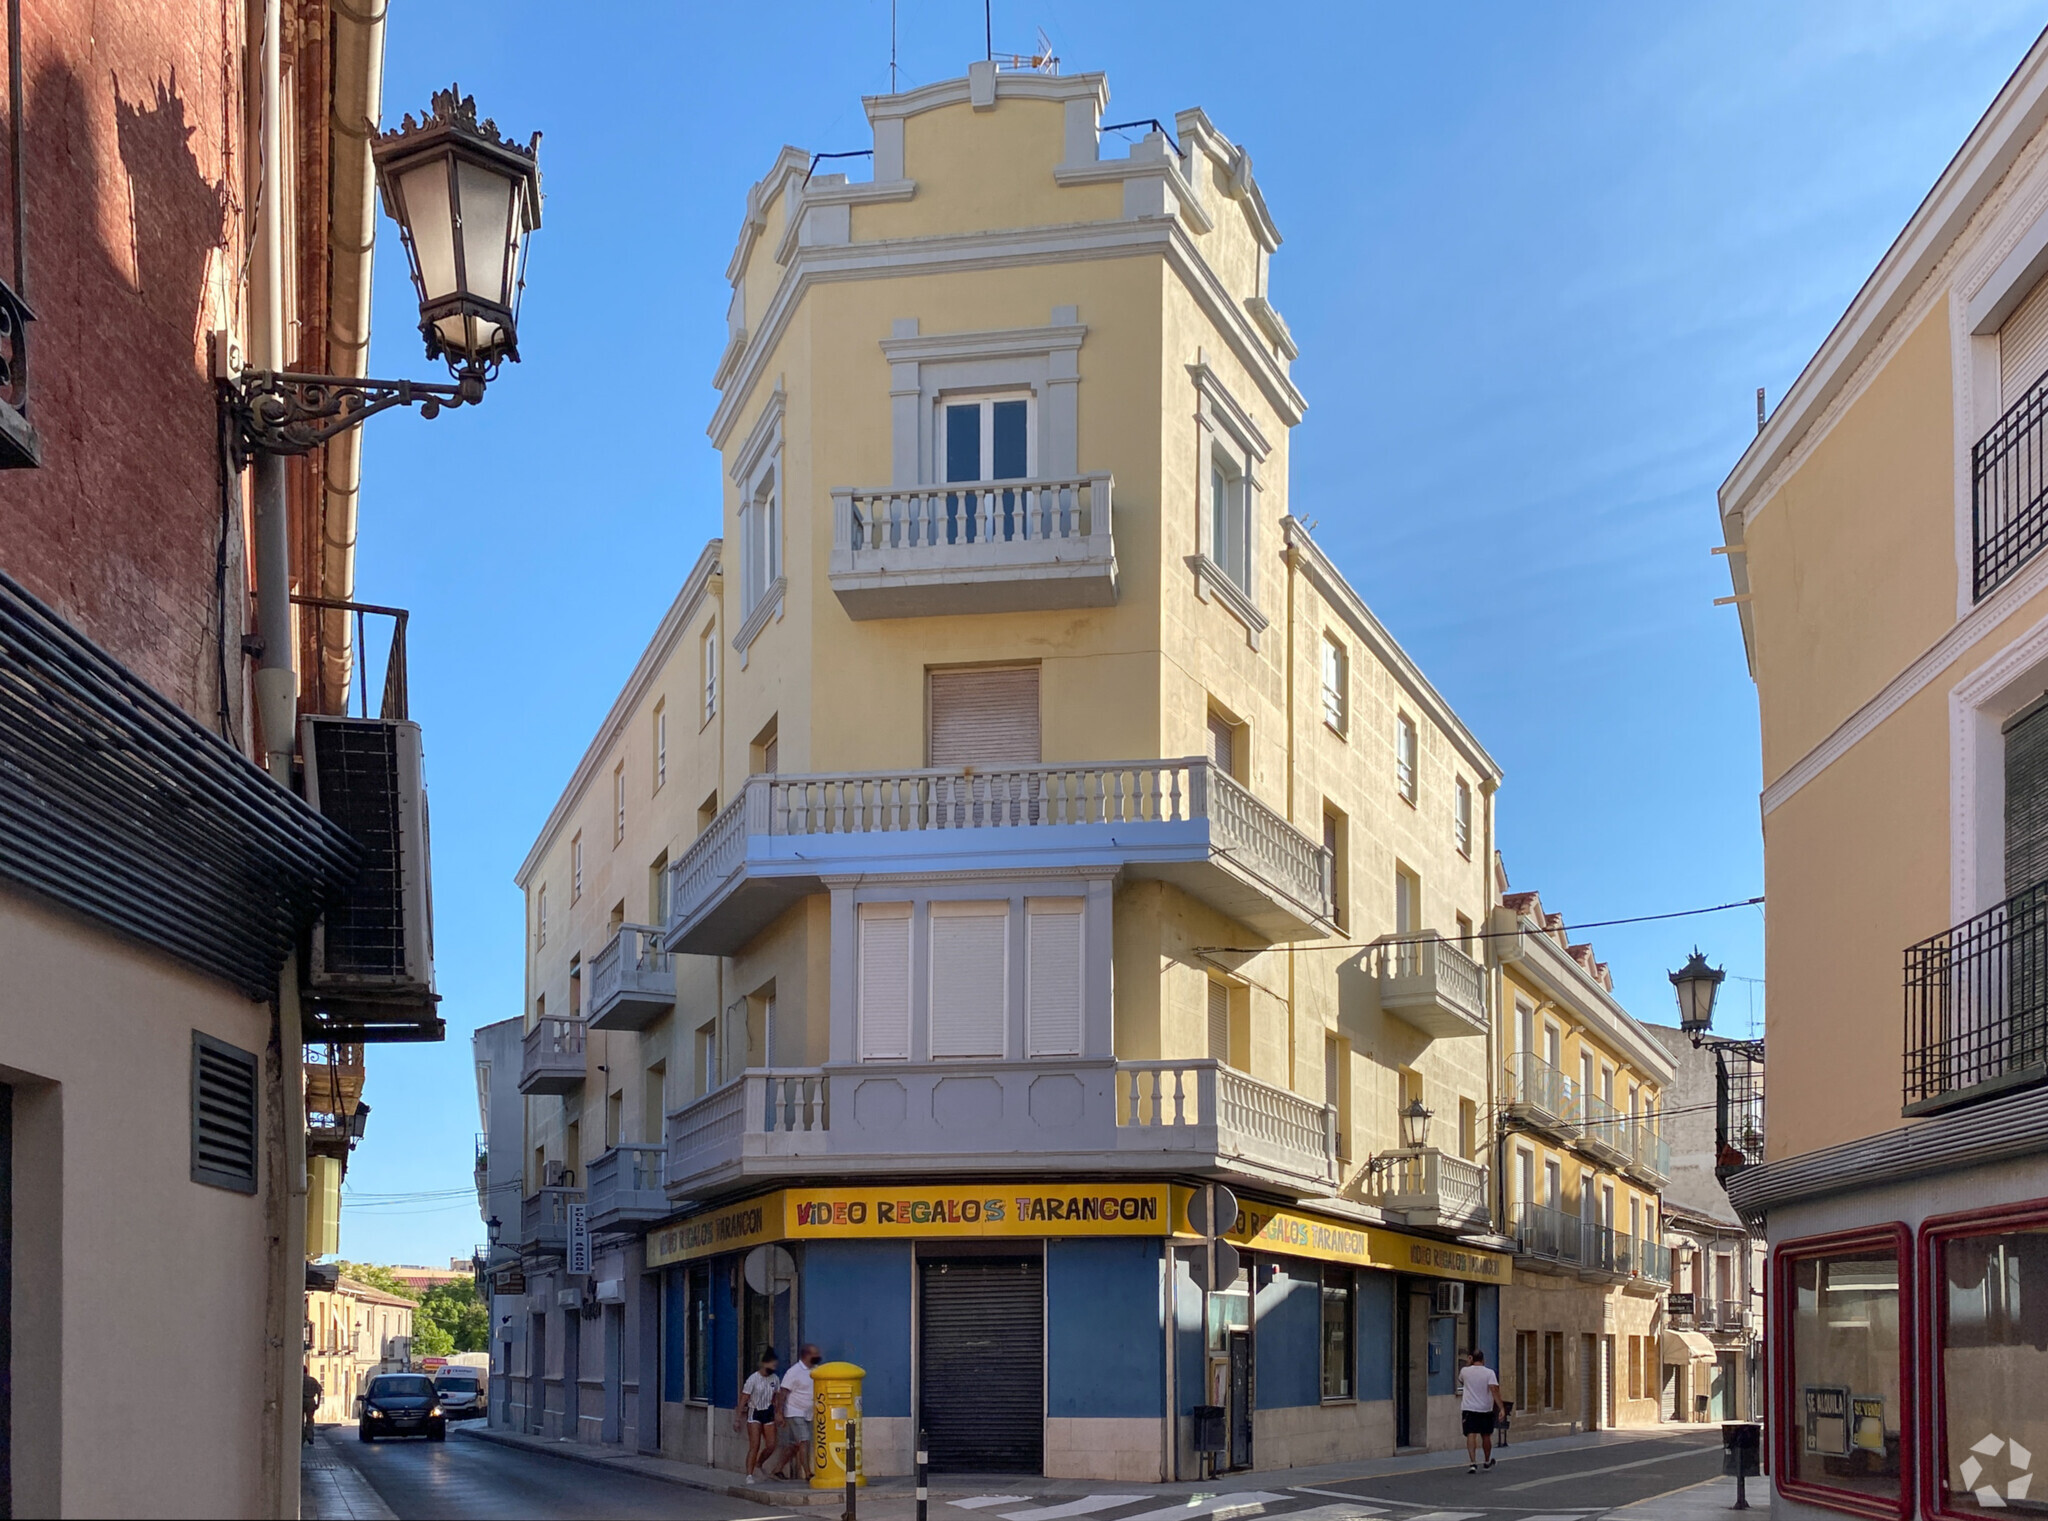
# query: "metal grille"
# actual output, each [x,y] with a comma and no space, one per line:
[223,1115]
[981,1368]
[364,930]
[2009,494]
[1745,1119]
[1977,1005]
[116,804]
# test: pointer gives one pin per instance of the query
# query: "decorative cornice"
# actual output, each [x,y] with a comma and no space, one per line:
[835,190]
[995,343]
[668,634]
[1212,580]
[760,196]
[1163,166]
[1593,1003]
[1273,325]
[1210,387]
[763,438]
[1330,584]
[1015,85]
[767,608]
[1198,132]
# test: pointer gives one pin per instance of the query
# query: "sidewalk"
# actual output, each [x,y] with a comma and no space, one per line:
[1699,1502]
[891,1498]
[330,1488]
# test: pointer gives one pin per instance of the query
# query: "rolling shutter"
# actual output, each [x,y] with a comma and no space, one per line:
[985,718]
[2026,799]
[223,1115]
[981,1363]
[970,970]
[884,982]
[1219,1021]
[2023,346]
[1052,972]
[1222,745]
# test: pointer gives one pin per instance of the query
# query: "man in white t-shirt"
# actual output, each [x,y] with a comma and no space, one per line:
[1479,1402]
[796,1398]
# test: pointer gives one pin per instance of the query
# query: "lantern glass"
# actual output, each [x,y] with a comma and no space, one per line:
[1695,985]
[430,220]
[1415,1125]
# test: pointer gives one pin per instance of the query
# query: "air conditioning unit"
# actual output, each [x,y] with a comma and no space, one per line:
[1449,1299]
[557,1175]
[371,968]
[611,1291]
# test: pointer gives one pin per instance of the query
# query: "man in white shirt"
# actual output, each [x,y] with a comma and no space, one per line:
[1479,1402]
[795,1398]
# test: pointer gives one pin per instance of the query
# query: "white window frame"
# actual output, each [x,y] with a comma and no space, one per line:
[1227,435]
[1407,758]
[618,804]
[660,744]
[1045,908]
[1461,817]
[707,673]
[998,910]
[986,401]
[576,868]
[1336,685]
[760,540]
[892,913]
[541,913]
[757,472]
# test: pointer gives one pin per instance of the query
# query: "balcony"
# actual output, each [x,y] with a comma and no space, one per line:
[1642,1261]
[1427,982]
[1431,1189]
[1541,1097]
[625,1187]
[1602,1255]
[544,1220]
[1181,821]
[1648,1156]
[1977,1005]
[1550,1235]
[632,980]
[1162,1117]
[1603,1132]
[552,1061]
[973,547]
[2009,492]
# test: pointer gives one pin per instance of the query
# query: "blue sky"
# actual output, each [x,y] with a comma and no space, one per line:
[1538,260]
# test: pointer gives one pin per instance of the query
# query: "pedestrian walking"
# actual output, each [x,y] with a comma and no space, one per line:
[1479,1403]
[757,1410]
[796,1397]
[310,1398]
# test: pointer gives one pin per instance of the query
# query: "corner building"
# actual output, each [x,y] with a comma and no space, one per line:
[1015,826]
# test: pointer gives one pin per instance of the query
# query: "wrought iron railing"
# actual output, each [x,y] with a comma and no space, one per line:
[2009,492]
[1535,1085]
[19,447]
[1542,1231]
[1977,1005]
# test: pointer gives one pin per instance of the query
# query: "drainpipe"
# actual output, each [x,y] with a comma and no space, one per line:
[1289,553]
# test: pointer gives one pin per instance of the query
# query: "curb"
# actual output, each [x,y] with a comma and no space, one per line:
[580,1452]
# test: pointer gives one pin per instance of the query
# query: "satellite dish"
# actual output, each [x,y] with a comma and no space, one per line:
[769,1270]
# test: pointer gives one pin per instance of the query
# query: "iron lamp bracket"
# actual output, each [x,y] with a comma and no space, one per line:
[281,412]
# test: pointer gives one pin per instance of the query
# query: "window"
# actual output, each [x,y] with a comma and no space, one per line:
[1335,839]
[1336,685]
[1635,1367]
[1525,1024]
[1053,989]
[618,803]
[1461,817]
[1465,936]
[760,542]
[653,1102]
[1230,528]
[883,995]
[986,716]
[697,1332]
[986,439]
[614,1117]
[541,913]
[969,977]
[660,744]
[1340,1297]
[764,755]
[1468,1131]
[707,672]
[1405,750]
[1553,1185]
[707,813]
[1223,746]
[223,1115]
[704,1058]
[657,891]
[1337,1089]
[1989,1298]
[576,987]
[1407,901]
[1841,1375]
[1525,1177]
[1226,1024]
[576,868]
[1527,1352]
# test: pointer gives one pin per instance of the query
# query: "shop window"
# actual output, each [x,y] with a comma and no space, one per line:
[1553,1370]
[1988,1291]
[697,1333]
[1340,1315]
[1841,1393]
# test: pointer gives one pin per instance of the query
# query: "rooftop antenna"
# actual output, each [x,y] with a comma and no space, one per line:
[892,47]
[988,32]
[1759,409]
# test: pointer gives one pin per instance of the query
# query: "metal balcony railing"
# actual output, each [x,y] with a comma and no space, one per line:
[1648,1154]
[1603,1130]
[1542,1093]
[1549,1233]
[1977,1006]
[2009,492]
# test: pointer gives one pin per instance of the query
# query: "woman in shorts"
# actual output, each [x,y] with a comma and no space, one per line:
[757,1411]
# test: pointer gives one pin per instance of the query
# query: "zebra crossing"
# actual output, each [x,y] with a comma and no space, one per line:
[1293,1505]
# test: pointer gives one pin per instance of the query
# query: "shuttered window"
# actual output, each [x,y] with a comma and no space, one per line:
[970,946]
[223,1115]
[1219,1021]
[2023,346]
[1052,975]
[985,718]
[1223,744]
[2026,798]
[884,991]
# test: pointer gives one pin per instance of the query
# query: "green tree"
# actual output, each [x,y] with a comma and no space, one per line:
[371,1276]
[429,1337]
[456,1311]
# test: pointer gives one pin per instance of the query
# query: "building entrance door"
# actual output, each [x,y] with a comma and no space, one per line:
[1411,1365]
[1589,1382]
[1240,1399]
[981,1363]
[1720,1402]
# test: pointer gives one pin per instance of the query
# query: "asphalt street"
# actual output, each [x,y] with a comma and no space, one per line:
[1580,1483]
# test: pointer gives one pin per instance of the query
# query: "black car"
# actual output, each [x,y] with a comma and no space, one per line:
[402,1404]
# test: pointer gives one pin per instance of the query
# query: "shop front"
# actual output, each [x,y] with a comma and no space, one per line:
[1040,1328]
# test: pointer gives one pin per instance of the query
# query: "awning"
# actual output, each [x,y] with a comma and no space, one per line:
[1684,1346]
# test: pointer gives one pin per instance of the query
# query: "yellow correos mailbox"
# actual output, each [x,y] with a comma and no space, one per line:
[836,1402]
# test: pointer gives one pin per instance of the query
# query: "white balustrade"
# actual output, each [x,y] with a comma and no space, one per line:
[933,517]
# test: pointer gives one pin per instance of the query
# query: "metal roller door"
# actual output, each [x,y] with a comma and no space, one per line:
[981,1363]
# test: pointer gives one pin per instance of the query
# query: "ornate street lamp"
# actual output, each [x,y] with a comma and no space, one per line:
[1415,1125]
[1696,983]
[465,200]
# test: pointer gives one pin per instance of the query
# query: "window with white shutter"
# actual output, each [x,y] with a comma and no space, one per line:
[985,717]
[1052,975]
[1223,744]
[2023,346]
[884,991]
[970,970]
[1219,1021]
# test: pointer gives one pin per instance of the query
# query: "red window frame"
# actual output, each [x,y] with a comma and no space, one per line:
[1784,1419]
[1935,1233]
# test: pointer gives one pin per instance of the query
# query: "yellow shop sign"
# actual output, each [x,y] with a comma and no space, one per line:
[1260,1227]
[722,1230]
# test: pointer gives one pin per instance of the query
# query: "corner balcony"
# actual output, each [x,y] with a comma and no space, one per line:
[552,1058]
[1541,1097]
[1550,1235]
[1181,821]
[1164,1117]
[632,980]
[1648,1158]
[1427,982]
[544,1220]
[973,547]
[1976,1008]
[1603,1132]
[1430,1188]
[624,1187]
